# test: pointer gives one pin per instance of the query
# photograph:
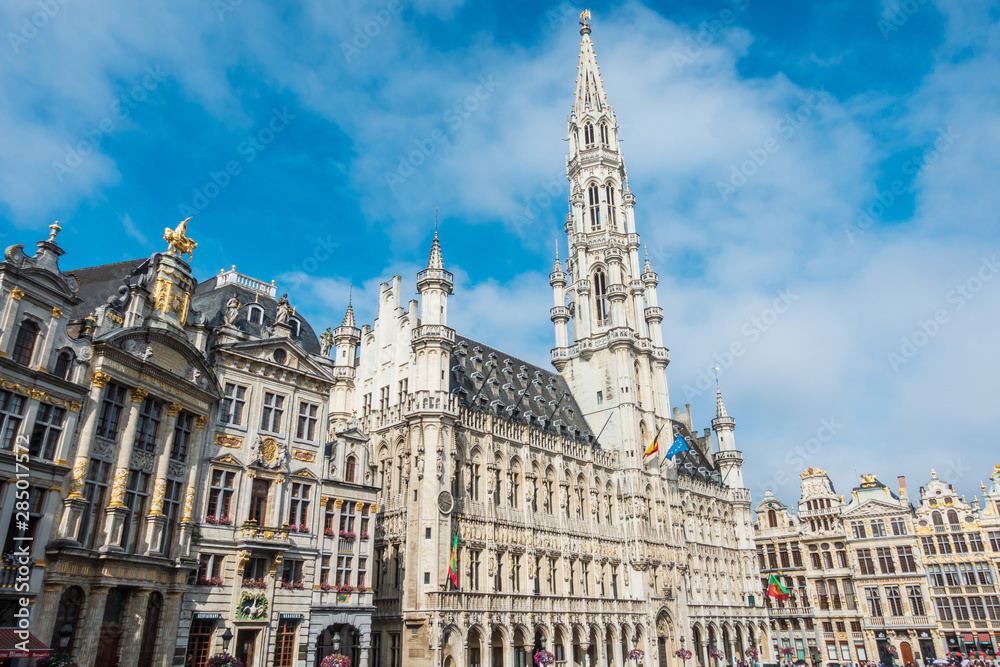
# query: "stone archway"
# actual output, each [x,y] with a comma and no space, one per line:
[664,632]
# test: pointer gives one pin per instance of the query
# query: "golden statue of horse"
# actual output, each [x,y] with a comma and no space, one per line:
[179,243]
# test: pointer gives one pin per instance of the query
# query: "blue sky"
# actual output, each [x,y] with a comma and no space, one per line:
[315,154]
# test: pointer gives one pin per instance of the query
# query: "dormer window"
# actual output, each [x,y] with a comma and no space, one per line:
[294,324]
[255,314]
[280,356]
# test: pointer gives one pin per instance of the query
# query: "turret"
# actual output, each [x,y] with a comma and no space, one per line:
[559,312]
[433,341]
[728,458]
[434,285]
[347,337]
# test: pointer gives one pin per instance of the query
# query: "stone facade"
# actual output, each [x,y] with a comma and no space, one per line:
[515,516]
[878,578]
[191,466]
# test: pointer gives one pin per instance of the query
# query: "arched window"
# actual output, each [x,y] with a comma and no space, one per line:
[296,326]
[609,195]
[594,196]
[604,134]
[152,625]
[772,519]
[24,344]
[63,364]
[349,469]
[953,517]
[68,613]
[255,314]
[601,297]
[588,135]
[936,518]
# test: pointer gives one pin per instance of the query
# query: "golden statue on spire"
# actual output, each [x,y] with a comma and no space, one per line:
[179,243]
[585,18]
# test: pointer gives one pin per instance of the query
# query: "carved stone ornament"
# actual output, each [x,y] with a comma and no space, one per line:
[142,460]
[139,350]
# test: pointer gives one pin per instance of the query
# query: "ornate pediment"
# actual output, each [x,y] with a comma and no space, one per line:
[227,459]
[304,472]
[872,508]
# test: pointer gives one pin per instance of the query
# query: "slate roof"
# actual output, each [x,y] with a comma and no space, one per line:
[515,389]
[210,301]
[97,283]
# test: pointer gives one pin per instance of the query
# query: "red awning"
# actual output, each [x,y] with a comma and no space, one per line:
[967,637]
[984,637]
[16,643]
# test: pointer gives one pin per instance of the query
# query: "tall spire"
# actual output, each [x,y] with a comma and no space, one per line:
[720,406]
[589,87]
[558,266]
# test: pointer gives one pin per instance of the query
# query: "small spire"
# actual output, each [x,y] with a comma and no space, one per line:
[349,315]
[720,406]
[435,261]
[558,266]
[647,268]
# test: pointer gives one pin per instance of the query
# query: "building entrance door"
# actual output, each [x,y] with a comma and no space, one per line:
[246,640]
[111,628]
[906,653]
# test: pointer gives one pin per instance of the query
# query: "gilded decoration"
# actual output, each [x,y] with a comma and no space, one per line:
[16,294]
[56,313]
[139,395]
[868,481]
[159,491]
[188,505]
[174,409]
[302,455]
[37,395]
[179,243]
[101,379]
[251,606]
[201,421]
[118,487]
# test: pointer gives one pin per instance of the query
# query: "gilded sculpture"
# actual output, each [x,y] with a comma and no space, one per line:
[179,243]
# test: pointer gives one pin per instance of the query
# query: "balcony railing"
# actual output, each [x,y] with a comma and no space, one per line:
[897,622]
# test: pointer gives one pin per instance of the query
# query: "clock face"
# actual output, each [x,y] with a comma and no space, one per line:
[445,502]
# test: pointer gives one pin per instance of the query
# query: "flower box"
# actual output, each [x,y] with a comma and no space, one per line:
[544,659]
[635,654]
[344,588]
[330,532]
[209,581]
[296,585]
[254,583]
[364,535]
[336,661]
[224,660]
[348,534]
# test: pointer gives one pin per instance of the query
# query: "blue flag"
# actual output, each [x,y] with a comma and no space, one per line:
[679,446]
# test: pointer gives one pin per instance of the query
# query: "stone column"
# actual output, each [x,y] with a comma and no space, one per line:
[133,626]
[156,521]
[88,628]
[74,504]
[117,510]
[191,490]
[10,316]
[46,335]
[167,640]
[702,649]
[43,614]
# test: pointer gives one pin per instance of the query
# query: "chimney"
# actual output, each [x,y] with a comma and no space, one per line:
[902,486]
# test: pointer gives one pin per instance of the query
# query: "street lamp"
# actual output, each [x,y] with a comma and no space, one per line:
[227,637]
[65,633]
[683,654]
[336,644]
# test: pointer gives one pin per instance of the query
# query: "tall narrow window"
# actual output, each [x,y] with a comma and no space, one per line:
[298,509]
[594,200]
[24,343]
[45,434]
[350,469]
[271,412]
[11,411]
[588,135]
[182,437]
[95,490]
[601,297]
[233,404]
[111,411]
[609,196]
[258,501]
[64,362]
[149,425]
[307,422]
[604,134]
[220,494]
[136,500]
[171,510]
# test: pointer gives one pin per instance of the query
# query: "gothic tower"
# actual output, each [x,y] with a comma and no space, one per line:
[609,345]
